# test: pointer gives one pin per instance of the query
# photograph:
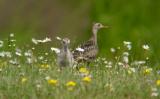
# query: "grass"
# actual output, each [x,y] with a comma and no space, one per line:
[33,75]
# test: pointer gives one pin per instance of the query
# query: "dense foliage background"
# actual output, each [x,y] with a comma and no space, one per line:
[137,21]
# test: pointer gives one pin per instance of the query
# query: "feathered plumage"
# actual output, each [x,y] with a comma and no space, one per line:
[65,57]
[90,47]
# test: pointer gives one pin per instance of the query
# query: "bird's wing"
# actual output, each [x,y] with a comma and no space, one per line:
[88,53]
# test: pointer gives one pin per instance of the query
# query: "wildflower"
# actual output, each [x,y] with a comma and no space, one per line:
[110,63]
[14,61]
[158,82]
[5,54]
[154,89]
[147,71]
[108,66]
[8,54]
[84,70]
[41,41]
[87,79]
[58,38]
[18,52]
[112,50]
[126,42]
[71,84]
[120,64]
[29,60]
[45,66]
[146,47]
[2,54]
[129,47]
[47,78]
[158,72]
[46,40]
[56,50]
[1,43]
[11,35]
[105,62]
[38,86]
[102,58]
[34,41]
[33,48]
[52,82]
[24,79]
[40,57]
[154,94]
[46,53]
[129,72]
[133,70]
[125,54]
[125,59]
[141,62]
[13,41]
[28,53]
[138,63]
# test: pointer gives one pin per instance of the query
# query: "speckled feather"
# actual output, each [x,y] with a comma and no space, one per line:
[89,53]
[90,47]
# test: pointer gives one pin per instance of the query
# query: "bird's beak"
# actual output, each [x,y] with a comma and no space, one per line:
[105,26]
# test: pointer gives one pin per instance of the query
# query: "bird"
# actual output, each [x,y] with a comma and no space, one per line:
[65,57]
[87,51]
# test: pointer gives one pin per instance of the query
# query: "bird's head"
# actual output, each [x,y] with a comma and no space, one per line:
[97,26]
[65,41]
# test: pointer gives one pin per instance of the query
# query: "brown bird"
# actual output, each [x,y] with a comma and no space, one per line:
[88,51]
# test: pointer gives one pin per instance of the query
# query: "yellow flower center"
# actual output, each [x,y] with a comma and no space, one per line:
[71,84]
[45,66]
[52,82]
[84,70]
[87,79]
[24,79]
[147,71]
[158,82]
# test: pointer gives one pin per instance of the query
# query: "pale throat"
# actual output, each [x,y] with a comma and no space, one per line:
[65,47]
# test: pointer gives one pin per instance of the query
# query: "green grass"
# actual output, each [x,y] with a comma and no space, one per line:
[105,83]
[113,78]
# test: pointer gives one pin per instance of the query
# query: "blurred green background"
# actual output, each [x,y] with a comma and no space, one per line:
[137,21]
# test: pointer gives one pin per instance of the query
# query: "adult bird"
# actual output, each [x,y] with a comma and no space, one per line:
[87,51]
[65,57]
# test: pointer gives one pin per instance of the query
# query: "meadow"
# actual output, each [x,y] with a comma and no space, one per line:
[27,73]
[127,65]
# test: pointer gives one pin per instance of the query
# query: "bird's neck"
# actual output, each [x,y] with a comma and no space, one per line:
[65,48]
[94,37]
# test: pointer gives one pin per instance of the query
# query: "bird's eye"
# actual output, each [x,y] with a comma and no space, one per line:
[99,25]
[63,42]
